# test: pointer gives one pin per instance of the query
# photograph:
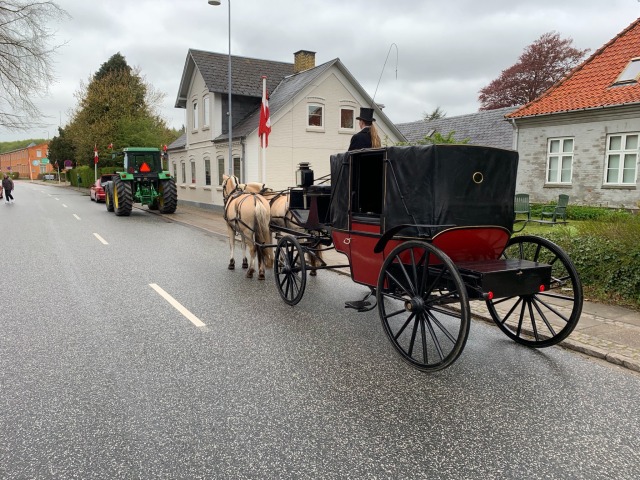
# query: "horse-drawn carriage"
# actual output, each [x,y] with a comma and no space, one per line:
[428,229]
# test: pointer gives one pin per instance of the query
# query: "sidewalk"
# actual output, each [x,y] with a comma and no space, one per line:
[607,332]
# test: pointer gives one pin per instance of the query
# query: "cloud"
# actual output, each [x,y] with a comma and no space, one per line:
[446,52]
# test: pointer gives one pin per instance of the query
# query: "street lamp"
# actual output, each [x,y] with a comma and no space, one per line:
[217,3]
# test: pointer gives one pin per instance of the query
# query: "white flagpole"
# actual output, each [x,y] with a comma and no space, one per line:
[262,137]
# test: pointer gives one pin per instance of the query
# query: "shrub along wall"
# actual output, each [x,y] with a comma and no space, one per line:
[606,254]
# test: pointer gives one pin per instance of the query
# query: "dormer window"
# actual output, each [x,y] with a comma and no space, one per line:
[630,73]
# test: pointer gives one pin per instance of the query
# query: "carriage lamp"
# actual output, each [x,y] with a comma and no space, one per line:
[304,175]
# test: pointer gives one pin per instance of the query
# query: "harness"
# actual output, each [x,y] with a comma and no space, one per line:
[235,194]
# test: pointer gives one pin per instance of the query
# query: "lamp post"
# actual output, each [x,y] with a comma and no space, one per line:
[217,3]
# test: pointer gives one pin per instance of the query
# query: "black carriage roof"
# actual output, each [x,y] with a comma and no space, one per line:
[458,185]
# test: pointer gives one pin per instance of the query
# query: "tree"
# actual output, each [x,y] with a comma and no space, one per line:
[435,115]
[26,65]
[116,106]
[61,149]
[436,138]
[541,65]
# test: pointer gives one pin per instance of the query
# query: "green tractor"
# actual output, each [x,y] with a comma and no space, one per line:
[142,181]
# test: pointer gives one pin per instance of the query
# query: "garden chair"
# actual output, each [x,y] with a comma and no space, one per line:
[558,211]
[521,205]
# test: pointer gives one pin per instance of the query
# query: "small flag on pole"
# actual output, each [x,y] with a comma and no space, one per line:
[265,120]
[95,153]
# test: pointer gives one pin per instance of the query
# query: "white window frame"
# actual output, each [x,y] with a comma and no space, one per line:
[556,161]
[221,169]
[623,153]
[206,111]
[207,172]
[342,128]
[194,116]
[314,105]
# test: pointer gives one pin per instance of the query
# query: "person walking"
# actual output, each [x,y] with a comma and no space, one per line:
[367,137]
[7,186]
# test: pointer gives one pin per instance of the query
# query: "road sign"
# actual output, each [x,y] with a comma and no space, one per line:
[35,163]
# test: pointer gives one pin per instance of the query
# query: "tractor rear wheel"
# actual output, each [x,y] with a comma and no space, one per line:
[122,197]
[168,196]
[108,199]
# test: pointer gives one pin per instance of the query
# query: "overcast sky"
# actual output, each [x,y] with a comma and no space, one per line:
[446,51]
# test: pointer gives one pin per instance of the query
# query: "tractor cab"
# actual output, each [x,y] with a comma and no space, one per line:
[142,161]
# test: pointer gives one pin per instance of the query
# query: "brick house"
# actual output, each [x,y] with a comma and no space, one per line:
[312,110]
[29,162]
[582,136]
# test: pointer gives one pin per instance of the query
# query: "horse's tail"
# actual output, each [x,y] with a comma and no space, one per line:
[263,233]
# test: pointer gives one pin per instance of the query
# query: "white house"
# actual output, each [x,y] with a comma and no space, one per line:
[582,136]
[313,115]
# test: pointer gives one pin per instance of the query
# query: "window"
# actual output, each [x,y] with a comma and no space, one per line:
[316,113]
[236,167]
[347,116]
[38,153]
[175,171]
[194,118]
[622,159]
[205,111]
[193,171]
[184,173]
[207,171]
[221,170]
[559,160]
[630,73]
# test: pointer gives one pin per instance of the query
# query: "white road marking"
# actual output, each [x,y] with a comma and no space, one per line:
[195,320]
[64,205]
[56,198]
[104,242]
[77,217]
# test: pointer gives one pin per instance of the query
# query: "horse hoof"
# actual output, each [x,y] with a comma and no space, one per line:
[313,273]
[232,265]
[245,264]
[250,273]
[261,276]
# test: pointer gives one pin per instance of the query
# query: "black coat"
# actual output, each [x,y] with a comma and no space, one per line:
[362,139]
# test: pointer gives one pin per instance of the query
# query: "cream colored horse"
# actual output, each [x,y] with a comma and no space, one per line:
[247,214]
[281,216]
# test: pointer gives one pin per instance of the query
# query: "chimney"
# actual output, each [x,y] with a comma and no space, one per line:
[303,60]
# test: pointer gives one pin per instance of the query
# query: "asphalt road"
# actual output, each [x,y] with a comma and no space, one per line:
[101,376]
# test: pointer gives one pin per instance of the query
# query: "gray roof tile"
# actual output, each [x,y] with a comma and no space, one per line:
[487,127]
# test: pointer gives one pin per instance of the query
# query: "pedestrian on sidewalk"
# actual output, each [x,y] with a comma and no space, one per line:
[7,186]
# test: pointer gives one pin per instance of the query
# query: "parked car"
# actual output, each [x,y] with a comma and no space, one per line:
[96,192]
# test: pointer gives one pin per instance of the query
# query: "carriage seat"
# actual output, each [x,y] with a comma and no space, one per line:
[320,190]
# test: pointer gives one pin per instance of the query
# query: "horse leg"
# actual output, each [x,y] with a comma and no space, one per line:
[245,264]
[232,244]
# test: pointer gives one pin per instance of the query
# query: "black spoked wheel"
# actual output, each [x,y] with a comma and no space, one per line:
[544,318]
[290,270]
[423,305]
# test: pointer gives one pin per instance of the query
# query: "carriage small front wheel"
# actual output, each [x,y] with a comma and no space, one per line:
[423,305]
[290,270]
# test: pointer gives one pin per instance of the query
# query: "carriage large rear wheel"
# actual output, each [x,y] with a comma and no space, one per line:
[290,270]
[544,318]
[423,305]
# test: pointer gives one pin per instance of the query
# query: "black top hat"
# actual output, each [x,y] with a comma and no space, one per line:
[366,115]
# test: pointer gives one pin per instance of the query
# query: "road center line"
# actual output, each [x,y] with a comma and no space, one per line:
[64,205]
[77,217]
[195,320]
[104,242]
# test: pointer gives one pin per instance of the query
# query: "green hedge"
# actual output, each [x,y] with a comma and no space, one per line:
[606,254]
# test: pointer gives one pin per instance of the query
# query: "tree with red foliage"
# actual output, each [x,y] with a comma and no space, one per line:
[542,64]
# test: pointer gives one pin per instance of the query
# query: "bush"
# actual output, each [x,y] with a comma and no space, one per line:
[606,255]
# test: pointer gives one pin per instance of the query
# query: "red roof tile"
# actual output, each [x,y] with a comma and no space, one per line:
[590,85]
